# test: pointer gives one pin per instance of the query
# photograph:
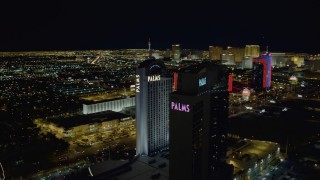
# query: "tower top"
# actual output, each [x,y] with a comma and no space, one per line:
[149,45]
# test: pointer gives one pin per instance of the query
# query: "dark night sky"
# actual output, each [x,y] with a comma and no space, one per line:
[283,25]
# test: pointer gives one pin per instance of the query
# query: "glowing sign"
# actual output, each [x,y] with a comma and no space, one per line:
[293,78]
[246,92]
[180,107]
[202,81]
[153,78]
[137,83]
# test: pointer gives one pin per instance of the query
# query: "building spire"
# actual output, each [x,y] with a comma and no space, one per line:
[149,44]
[267,49]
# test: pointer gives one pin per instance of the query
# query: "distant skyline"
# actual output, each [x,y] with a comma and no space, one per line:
[283,26]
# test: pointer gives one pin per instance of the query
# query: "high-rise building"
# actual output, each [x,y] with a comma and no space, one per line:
[262,70]
[247,62]
[280,59]
[252,50]
[198,117]
[176,52]
[237,52]
[228,59]
[167,53]
[257,79]
[153,87]
[298,60]
[215,52]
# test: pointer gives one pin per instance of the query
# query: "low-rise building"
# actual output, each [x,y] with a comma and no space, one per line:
[85,129]
[250,157]
[117,105]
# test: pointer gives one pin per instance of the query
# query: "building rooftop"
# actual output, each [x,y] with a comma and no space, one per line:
[73,121]
[100,98]
[153,66]
[150,62]
[245,152]
[143,167]
[199,67]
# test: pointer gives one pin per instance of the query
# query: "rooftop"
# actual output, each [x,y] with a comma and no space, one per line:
[73,121]
[99,98]
[247,151]
[143,167]
[199,67]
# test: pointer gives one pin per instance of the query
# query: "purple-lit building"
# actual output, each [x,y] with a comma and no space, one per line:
[198,117]
[262,71]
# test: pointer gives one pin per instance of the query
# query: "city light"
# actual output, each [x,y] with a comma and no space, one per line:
[227,108]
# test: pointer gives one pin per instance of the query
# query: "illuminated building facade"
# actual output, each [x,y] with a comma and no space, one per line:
[152,107]
[81,127]
[215,52]
[250,157]
[280,59]
[228,59]
[198,117]
[238,53]
[298,60]
[113,105]
[218,53]
[293,80]
[252,50]
[247,62]
[262,69]
[176,52]
[246,94]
